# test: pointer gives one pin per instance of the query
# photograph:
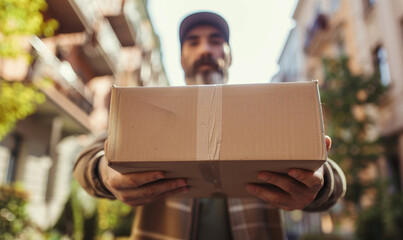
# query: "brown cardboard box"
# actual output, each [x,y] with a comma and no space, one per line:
[217,136]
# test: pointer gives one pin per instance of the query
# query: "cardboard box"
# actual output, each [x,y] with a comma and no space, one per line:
[217,136]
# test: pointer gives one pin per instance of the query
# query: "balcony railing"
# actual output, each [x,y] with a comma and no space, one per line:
[125,23]
[316,33]
[66,80]
[109,42]
[102,50]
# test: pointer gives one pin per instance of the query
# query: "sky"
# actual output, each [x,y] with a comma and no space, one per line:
[258,31]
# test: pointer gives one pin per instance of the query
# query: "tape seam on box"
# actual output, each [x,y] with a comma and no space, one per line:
[209,132]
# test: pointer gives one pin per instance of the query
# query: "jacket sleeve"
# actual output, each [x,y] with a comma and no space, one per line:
[333,190]
[86,168]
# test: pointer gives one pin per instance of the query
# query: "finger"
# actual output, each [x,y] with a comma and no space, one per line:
[313,180]
[151,191]
[273,196]
[284,182]
[328,142]
[160,197]
[134,180]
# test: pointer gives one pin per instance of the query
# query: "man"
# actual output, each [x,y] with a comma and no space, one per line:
[205,58]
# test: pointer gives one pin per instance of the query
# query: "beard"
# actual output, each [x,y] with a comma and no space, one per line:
[206,77]
[217,75]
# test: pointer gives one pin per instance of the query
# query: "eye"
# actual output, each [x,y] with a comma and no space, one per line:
[216,41]
[193,43]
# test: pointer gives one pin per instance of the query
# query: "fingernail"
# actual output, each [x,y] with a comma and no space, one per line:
[293,173]
[159,176]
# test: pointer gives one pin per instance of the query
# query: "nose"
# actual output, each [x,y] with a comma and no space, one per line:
[205,48]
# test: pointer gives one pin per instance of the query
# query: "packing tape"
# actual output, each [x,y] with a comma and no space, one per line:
[209,132]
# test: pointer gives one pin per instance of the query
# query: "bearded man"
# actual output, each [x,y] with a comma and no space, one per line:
[205,59]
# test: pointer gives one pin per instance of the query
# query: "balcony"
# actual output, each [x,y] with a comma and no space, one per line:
[74,15]
[317,35]
[69,94]
[125,23]
[101,50]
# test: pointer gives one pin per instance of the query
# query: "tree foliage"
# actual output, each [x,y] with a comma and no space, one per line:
[13,218]
[19,19]
[348,102]
[85,217]
[16,102]
[22,18]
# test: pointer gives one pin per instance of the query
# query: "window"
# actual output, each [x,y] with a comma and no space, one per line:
[12,164]
[381,63]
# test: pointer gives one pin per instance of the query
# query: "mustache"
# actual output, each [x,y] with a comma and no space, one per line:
[206,60]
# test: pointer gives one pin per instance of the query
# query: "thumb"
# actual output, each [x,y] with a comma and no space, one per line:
[328,142]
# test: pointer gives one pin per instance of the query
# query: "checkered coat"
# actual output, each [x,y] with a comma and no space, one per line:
[176,218]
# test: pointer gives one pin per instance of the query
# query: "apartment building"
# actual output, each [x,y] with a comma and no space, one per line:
[370,33]
[98,43]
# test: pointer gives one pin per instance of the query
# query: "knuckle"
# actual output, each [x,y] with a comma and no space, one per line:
[113,183]
[134,181]
[318,183]
[291,188]
[274,179]
[301,176]
[270,178]
[149,192]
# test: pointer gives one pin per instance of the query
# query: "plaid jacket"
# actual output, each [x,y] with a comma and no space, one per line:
[176,218]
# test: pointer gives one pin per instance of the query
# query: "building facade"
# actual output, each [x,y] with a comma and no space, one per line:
[98,43]
[370,33]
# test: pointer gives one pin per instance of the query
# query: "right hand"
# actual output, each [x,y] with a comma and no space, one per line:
[139,188]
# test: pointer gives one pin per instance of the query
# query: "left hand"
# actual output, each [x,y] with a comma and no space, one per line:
[296,190]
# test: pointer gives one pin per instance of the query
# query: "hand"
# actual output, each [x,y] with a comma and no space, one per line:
[140,188]
[289,192]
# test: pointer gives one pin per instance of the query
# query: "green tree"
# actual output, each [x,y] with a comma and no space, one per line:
[19,19]
[86,217]
[348,100]
[12,212]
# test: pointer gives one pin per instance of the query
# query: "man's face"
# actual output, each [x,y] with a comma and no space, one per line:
[203,58]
